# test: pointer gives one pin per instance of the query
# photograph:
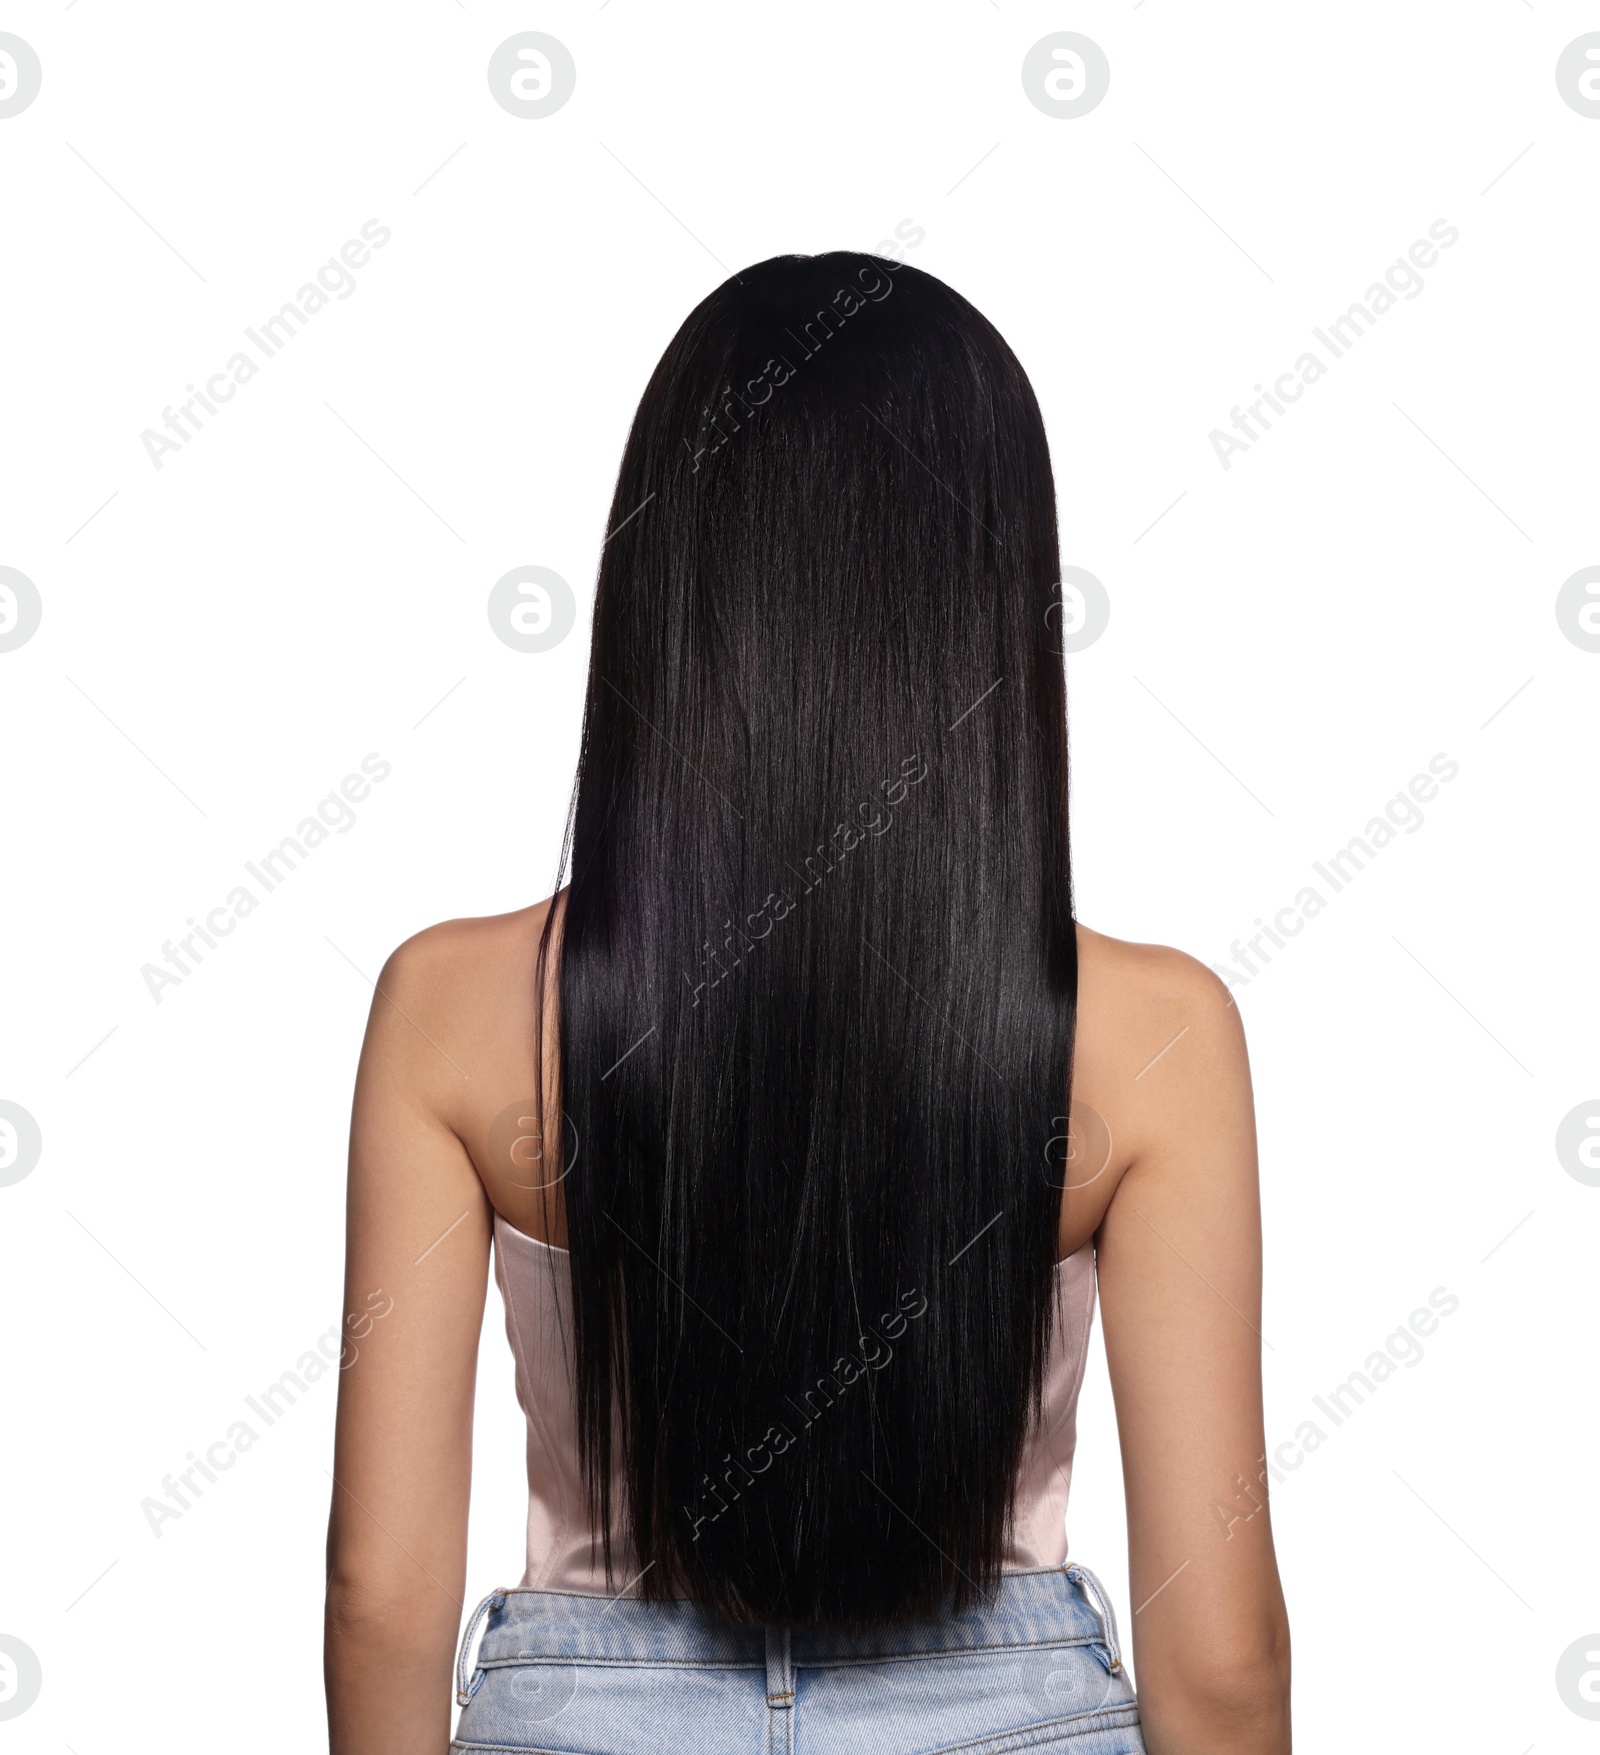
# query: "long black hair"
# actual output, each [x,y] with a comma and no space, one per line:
[816,962]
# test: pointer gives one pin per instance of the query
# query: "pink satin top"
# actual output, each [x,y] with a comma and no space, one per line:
[564,1553]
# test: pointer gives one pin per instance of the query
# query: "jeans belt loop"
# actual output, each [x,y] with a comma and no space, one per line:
[1100,1603]
[496,1599]
[780,1672]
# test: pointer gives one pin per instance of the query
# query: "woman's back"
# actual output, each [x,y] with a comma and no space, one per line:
[769,1108]
[1158,1174]
[477,979]
[564,1550]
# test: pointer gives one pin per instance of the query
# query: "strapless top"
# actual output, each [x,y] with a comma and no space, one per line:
[564,1550]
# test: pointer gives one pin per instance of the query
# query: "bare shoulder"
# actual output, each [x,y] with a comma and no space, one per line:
[1178,1267]
[1126,989]
[456,1003]
[1159,1047]
[460,961]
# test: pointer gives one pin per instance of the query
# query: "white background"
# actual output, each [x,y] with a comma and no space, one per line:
[1291,639]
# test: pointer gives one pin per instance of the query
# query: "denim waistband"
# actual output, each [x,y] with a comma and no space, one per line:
[1059,1607]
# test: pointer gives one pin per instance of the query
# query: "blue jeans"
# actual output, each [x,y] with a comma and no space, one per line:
[559,1674]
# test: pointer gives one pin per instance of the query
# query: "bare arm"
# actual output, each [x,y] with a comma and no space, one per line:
[1180,1282]
[416,1270]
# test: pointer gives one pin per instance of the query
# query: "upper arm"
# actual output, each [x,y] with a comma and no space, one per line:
[417,1251]
[1179,1258]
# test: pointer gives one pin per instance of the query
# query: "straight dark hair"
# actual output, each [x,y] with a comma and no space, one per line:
[816,961]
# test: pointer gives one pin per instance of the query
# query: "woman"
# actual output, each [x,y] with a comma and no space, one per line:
[764,1116]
